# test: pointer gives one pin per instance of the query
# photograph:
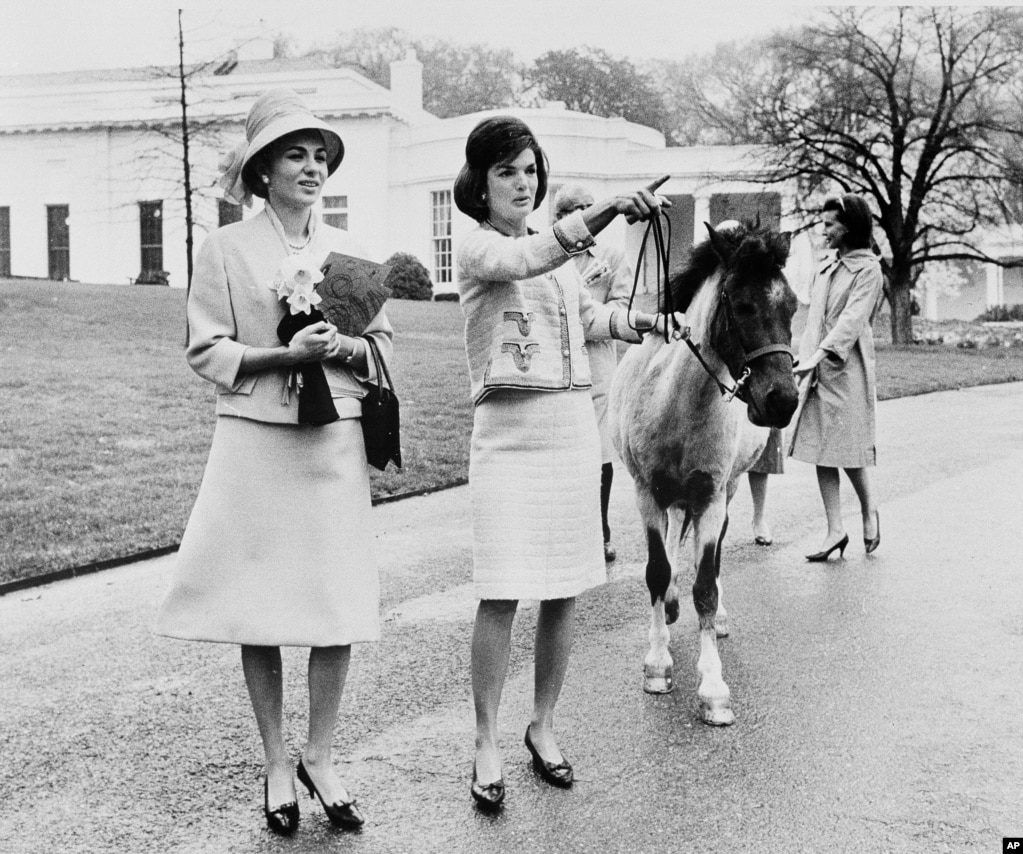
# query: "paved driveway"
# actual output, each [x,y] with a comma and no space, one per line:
[878,698]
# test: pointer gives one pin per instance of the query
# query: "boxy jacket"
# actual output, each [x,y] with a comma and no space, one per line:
[528,314]
[232,306]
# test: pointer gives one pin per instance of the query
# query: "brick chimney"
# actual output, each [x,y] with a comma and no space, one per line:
[407,83]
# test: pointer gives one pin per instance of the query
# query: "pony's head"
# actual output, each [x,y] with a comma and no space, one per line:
[752,325]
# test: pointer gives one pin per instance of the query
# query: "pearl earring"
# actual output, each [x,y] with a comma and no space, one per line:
[266,179]
[483,197]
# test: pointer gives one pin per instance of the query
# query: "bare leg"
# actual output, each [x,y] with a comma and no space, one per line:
[555,627]
[491,646]
[758,489]
[328,669]
[860,479]
[263,677]
[827,481]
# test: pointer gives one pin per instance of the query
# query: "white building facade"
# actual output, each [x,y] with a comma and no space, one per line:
[91,175]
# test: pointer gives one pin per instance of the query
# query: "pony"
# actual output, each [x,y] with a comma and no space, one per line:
[686,443]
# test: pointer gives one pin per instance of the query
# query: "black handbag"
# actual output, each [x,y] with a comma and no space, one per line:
[380,419]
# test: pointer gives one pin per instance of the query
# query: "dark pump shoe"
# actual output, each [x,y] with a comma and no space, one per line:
[824,555]
[341,814]
[490,796]
[557,774]
[870,545]
[284,819]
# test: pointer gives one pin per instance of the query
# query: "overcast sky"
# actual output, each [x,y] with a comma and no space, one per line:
[62,35]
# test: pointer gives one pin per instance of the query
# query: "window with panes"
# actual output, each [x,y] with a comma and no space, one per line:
[335,211]
[5,241]
[58,241]
[440,204]
[228,212]
[151,235]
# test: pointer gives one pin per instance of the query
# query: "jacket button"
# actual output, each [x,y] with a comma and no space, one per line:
[566,352]
[561,310]
[579,244]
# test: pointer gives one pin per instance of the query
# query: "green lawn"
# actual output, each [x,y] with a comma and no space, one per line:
[104,430]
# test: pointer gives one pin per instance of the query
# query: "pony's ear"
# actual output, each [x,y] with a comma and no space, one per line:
[720,245]
[785,242]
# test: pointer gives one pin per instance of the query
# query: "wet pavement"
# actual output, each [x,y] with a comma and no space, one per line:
[878,698]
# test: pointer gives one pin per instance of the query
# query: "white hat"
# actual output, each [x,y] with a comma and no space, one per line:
[274,114]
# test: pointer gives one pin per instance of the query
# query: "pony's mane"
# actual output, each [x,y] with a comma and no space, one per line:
[754,251]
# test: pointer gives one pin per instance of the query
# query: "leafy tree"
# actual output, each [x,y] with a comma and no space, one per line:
[708,98]
[460,79]
[408,278]
[591,80]
[370,50]
[917,109]
[457,78]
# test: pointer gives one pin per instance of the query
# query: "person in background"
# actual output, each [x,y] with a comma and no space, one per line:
[535,452]
[835,423]
[278,548]
[608,277]
[771,461]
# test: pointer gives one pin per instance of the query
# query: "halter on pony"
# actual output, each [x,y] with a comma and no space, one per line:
[731,327]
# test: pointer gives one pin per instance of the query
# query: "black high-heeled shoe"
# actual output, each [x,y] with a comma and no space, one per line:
[870,545]
[490,796]
[282,820]
[824,555]
[556,773]
[343,814]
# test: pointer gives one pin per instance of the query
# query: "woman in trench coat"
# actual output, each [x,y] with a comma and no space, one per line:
[835,424]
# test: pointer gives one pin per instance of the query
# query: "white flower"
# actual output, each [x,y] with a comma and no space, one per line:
[298,274]
[301,269]
[303,297]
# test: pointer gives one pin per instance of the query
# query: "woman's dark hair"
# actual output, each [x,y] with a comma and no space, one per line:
[854,213]
[495,140]
[260,162]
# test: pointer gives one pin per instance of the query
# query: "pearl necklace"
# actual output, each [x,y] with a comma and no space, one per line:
[300,247]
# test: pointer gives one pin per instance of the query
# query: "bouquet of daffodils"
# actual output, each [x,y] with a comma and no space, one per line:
[296,283]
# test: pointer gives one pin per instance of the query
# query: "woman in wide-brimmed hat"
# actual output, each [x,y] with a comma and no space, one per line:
[277,550]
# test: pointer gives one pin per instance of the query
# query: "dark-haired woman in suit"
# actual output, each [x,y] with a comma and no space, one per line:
[535,456]
[835,424]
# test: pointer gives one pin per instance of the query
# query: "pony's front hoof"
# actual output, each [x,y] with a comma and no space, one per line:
[716,714]
[721,628]
[658,683]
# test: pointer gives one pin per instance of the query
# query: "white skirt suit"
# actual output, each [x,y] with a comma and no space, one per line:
[534,464]
[277,550]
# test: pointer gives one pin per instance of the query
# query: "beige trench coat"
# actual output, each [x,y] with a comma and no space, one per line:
[835,423]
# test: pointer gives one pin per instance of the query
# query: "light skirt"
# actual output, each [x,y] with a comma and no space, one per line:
[277,551]
[534,480]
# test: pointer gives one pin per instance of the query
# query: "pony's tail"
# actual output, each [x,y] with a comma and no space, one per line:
[687,520]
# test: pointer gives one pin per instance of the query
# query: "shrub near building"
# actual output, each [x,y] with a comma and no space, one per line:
[408,278]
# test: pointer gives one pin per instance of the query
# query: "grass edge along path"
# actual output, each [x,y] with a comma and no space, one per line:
[104,431]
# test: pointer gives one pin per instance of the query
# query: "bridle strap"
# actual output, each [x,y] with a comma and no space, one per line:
[770,348]
[665,302]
